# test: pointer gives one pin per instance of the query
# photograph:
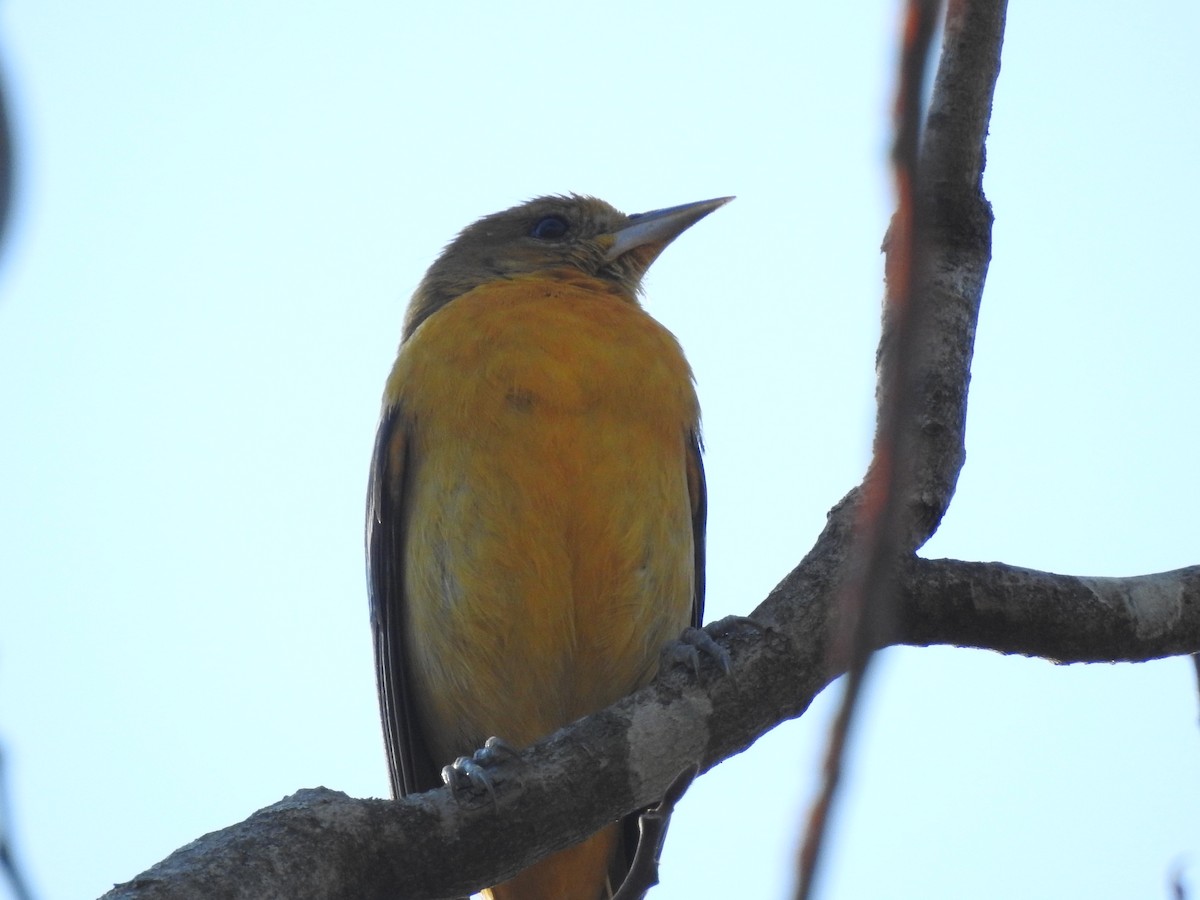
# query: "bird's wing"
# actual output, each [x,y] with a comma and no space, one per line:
[409,764]
[699,496]
[631,834]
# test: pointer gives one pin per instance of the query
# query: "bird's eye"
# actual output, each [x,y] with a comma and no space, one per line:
[549,228]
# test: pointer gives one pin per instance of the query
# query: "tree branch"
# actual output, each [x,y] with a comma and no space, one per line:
[1063,618]
[956,219]
[323,844]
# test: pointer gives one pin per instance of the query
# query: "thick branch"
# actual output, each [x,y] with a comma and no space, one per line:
[1064,618]
[322,844]
[956,247]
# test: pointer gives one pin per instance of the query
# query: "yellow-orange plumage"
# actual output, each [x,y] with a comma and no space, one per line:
[535,532]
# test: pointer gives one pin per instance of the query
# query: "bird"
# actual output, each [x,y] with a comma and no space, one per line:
[536,502]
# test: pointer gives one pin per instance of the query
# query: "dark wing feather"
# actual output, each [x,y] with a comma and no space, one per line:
[699,494]
[409,764]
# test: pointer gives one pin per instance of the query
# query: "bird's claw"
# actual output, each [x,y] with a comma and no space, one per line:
[690,646]
[465,774]
[468,774]
[695,643]
[494,748]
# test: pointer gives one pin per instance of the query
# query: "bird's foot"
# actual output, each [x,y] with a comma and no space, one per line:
[696,643]
[467,776]
[690,646]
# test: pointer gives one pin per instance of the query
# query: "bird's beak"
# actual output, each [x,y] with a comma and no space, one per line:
[649,233]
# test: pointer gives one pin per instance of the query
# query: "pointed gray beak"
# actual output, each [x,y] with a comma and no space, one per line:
[659,227]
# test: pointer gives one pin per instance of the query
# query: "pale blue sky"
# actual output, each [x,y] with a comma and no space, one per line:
[222,209]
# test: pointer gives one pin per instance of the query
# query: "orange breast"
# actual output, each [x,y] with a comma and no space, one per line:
[549,547]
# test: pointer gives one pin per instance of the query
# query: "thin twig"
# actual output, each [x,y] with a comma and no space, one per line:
[865,605]
[652,831]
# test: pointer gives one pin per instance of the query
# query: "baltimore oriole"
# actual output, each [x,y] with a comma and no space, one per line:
[536,509]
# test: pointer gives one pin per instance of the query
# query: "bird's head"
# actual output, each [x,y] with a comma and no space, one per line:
[551,233]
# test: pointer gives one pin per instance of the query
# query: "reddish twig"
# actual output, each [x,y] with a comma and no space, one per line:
[865,606]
